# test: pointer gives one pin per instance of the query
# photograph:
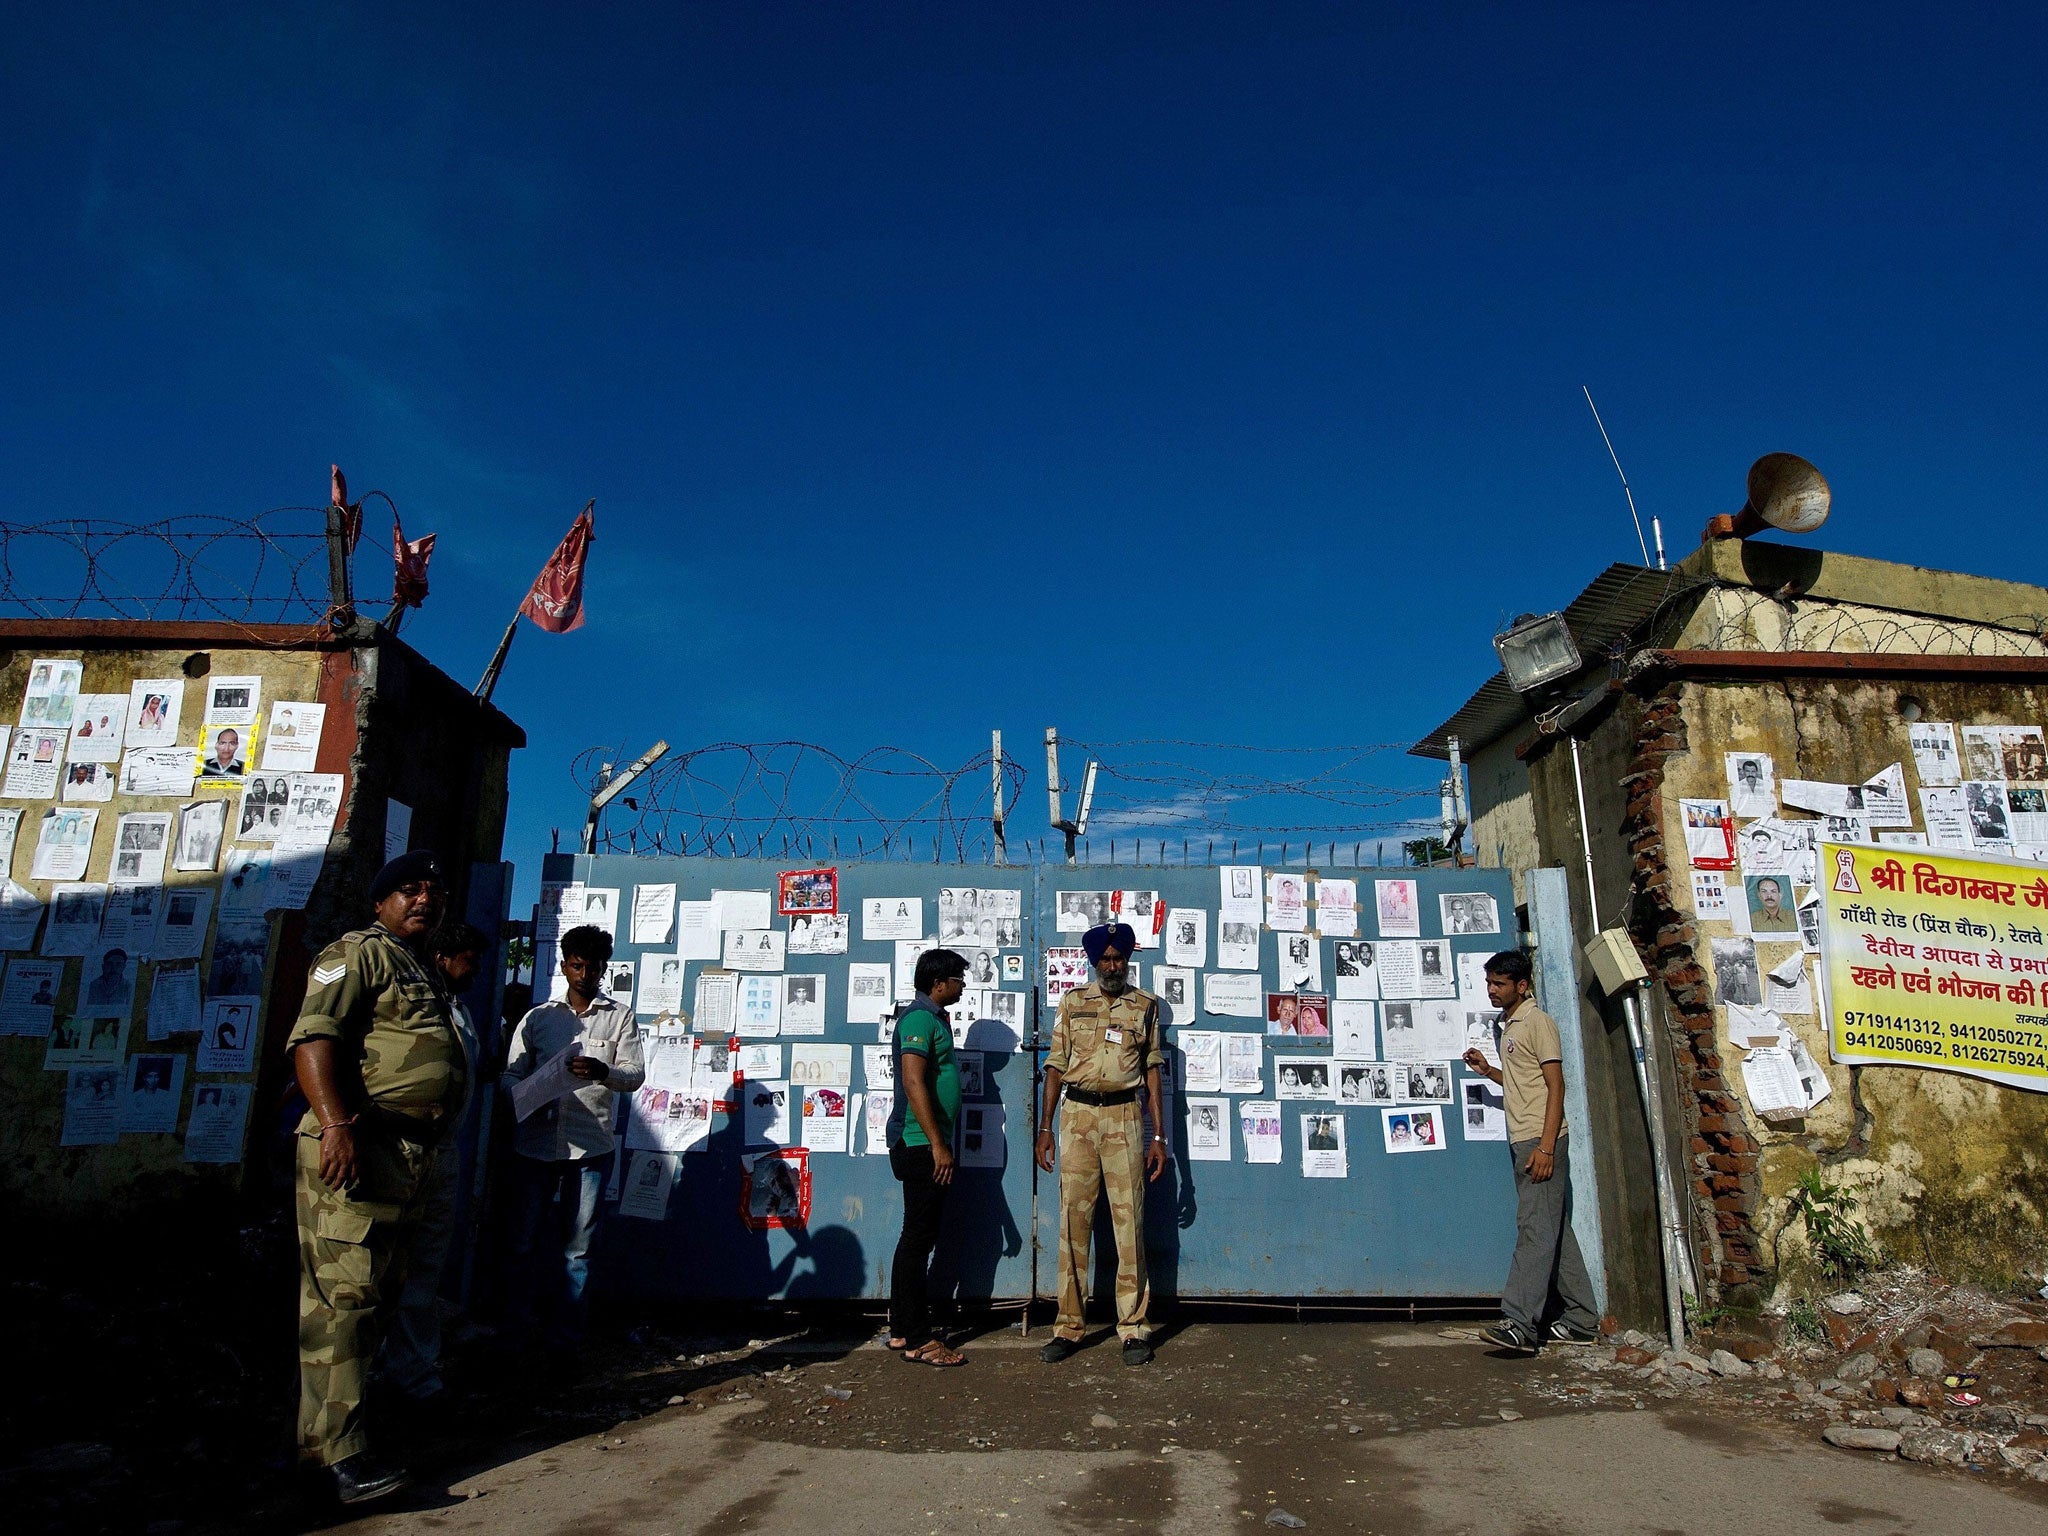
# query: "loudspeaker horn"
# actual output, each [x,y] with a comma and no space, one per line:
[1785,491]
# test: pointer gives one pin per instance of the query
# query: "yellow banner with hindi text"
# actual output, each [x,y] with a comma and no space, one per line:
[1936,959]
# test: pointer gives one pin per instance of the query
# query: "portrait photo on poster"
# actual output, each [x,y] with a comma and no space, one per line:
[806,891]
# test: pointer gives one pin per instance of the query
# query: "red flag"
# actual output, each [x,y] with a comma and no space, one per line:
[556,601]
[409,568]
[351,512]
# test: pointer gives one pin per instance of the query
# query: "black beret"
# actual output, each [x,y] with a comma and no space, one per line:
[1097,939]
[420,864]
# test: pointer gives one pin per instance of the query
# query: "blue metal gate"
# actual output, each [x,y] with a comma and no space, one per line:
[1434,1224]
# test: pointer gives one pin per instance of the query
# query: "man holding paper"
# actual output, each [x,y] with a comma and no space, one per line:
[567,1060]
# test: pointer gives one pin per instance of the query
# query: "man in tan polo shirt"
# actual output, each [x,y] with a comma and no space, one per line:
[1548,1295]
[1105,1052]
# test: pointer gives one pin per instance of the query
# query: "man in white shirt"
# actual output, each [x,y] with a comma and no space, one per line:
[565,1148]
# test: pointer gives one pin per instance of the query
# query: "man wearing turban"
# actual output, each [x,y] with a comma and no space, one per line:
[1105,1052]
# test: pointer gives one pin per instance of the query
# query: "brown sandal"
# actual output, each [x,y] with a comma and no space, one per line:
[947,1358]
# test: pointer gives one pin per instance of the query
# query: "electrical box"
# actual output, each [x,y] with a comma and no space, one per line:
[1612,954]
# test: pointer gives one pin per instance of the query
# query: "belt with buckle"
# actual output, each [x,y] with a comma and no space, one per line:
[1103,1100]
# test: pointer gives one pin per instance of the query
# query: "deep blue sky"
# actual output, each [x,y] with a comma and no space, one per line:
[1189,371]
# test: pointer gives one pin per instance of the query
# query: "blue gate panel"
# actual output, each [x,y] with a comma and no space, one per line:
[1415,1224]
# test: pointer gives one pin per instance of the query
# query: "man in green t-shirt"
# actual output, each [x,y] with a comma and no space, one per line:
[921,1149]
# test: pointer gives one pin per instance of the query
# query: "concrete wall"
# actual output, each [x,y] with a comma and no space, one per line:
[395,727]
[1953,1171]
[1503,833]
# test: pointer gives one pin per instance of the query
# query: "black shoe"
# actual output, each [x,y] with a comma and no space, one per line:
[1562,1332]
[1511,1336]
[362,1477]
[1137,1352]
[1058,1350]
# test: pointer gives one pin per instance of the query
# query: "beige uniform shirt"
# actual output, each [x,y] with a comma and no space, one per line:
[386,1007]
[1104,1044]
[1527,1040]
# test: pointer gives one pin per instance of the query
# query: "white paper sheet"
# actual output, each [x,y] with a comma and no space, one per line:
[155,705]
[982,1138]
[765,1116]
[97,726]
[152,1092]
[1484,1109]
[760,1007]
[891,917]
[292,744]
[827,1119]
[1258,1121]
[1469,912]
[876,1107]
[34,761]
[1398,909]
[546,1083]
[157,771]
[1709,833]
[754,949]
[51,697]
[28,996]
[1303,1077]
[868,991]
[1201,1055]
[1243,889]
[648,1182]
[1354,1029]
[1364,1082]
[822,1066]
[819,934]
[1710,896]
[174,999]
[1244,1063]
[1322,1145]
[1237,945]
[1337,908]
[1935,758]
[77,909]
[1207,1129]
[181,926]
[1287,902]
[1752,784]
[64,844]
[229,1033]
[1187,937]
[1435,972]
[202,828]
[92,1107]
[219,1124]
[1234,996]
[1399,962]
[1414,1129]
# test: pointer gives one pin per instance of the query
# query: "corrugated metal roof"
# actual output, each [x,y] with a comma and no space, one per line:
[1619,599]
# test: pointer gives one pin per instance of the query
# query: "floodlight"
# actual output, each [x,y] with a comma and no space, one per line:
[1537,649]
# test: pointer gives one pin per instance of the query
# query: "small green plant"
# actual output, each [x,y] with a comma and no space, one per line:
[1803,1321]
[1841,1250]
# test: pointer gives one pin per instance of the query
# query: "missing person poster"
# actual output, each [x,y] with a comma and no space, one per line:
[1937,959]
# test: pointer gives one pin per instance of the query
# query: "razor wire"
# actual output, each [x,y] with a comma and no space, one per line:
[798,799]
[269,568]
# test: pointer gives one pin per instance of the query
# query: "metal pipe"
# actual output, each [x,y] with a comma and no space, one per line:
[995,784]
[1679,1282]
[1585,838]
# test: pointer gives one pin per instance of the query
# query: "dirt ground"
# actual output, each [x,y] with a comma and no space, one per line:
[1345,1426]
[1411,1427]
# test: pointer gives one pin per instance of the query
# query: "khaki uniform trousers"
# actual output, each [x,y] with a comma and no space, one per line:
[1103,1150]
[352,1254]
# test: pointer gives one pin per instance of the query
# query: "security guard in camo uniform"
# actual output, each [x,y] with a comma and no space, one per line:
[1105,1052]
[380,1063]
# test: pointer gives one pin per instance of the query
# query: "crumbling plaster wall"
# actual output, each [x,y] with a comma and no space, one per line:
[1952,1170]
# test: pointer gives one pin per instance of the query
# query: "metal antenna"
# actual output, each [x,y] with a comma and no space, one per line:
[1655,526]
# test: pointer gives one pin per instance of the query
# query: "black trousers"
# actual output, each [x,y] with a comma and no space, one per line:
[924,1201]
